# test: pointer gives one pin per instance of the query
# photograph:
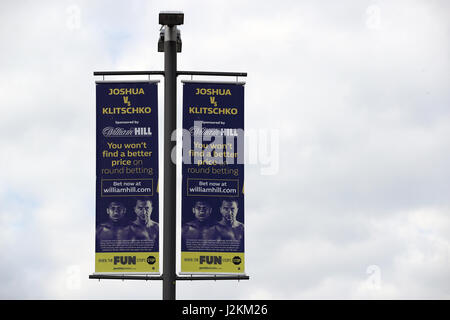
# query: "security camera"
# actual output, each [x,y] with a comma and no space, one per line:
[171,18]
[161,41]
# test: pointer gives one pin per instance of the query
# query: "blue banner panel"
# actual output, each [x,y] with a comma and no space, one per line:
[212,239]
[127,198]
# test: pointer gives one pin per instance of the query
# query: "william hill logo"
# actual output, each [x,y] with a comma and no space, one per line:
[124,260]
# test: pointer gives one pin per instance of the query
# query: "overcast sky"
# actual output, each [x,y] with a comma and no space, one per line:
[348,190]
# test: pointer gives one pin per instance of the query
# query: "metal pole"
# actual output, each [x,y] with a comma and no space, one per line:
[170,121]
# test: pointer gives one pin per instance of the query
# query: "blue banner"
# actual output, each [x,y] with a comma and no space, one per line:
[127,202]
[212,239]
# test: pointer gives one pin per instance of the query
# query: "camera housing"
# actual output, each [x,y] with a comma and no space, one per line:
[161,41]
[171,18]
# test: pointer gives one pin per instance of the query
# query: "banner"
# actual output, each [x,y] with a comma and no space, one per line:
[212,239]
[127,206]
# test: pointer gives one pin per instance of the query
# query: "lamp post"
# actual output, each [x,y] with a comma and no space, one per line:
[170,20]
